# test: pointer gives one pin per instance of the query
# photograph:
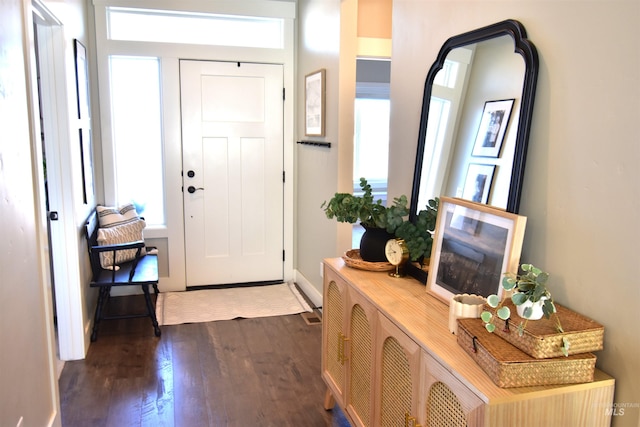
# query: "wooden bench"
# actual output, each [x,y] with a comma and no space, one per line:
[142,271]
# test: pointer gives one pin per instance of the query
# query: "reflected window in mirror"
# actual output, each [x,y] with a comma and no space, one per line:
[447,98]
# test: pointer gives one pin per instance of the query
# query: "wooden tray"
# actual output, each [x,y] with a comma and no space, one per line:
[508,366]
[541,338]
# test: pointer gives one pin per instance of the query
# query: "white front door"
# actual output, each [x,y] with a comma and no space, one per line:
[232,142]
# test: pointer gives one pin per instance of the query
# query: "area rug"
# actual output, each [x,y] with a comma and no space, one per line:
[174,308]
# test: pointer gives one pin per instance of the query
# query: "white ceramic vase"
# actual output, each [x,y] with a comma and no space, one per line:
[464,306]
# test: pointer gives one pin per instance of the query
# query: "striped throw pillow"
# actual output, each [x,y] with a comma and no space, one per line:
[123,233]
[112,216]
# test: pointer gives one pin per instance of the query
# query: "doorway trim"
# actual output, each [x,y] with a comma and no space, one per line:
[170,238]
[71,337]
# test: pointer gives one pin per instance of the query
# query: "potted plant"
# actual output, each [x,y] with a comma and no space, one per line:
[345,207]
[372,215]
[382,223]
[531,298]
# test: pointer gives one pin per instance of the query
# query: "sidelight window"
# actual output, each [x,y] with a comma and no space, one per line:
[137,134]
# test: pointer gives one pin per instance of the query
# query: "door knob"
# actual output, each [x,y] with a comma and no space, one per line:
[191,189]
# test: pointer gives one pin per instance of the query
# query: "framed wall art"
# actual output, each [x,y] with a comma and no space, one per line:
[314,103]
[474,245]
[493,125]
[82,81]
[84,129]
[477,185]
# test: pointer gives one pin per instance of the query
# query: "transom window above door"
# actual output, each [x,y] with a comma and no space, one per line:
[148,25]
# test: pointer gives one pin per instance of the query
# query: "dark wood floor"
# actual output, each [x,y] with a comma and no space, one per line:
[243,372]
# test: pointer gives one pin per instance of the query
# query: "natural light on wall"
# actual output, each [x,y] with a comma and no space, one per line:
[194,28]
[136,127]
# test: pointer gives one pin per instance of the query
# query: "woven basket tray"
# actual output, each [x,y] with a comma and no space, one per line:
[353,259]
[507,366]
[541,339]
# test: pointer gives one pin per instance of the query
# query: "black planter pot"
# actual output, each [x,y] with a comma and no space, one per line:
[373,243]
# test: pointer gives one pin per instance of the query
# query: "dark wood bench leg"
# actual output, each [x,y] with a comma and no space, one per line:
[103,296]
[151,309]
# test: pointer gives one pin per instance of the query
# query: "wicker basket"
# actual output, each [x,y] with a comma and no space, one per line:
[541,339]
[353,259]
[507,366]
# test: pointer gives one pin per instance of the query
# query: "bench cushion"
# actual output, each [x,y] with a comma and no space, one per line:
[146,273]
[124,233]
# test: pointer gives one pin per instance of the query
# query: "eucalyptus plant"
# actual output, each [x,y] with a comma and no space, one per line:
[417,235]
[345,207]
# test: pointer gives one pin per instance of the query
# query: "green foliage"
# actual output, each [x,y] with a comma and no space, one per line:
[417,236]
[346,207]
[529,286]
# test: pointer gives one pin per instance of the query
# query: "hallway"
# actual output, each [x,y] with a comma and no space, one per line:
[241,372]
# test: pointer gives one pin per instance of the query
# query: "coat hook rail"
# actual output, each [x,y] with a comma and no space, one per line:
[319,144]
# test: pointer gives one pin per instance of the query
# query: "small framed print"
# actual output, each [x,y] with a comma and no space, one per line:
[474,245]
[493,125]
[314,103]
[82,81]
[477,185]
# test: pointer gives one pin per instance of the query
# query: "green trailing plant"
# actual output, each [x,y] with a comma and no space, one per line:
[529,286]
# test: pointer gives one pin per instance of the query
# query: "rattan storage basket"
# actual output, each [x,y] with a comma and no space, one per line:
[508,366]
[541,338]
[353,259]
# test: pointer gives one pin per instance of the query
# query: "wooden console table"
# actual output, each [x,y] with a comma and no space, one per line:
[388,358]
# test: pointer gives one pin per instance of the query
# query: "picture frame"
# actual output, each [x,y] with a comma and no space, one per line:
[82,80]
[478,183]
[86,162]
[493,126]
[84,122]
[314,103]
[473,246]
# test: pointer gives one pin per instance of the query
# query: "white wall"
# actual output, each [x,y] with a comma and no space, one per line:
[326,39]
[582,183]
[28,387]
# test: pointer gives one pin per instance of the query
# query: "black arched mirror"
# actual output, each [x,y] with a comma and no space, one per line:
[476,119]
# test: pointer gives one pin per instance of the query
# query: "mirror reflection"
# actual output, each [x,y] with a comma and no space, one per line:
[459,126]
[476,116]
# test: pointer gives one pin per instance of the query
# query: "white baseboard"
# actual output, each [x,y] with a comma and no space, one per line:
[309,290]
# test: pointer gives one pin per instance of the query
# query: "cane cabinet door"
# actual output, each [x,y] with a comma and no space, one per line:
[333,335]
[447,401]
[360,359]
[398,380]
